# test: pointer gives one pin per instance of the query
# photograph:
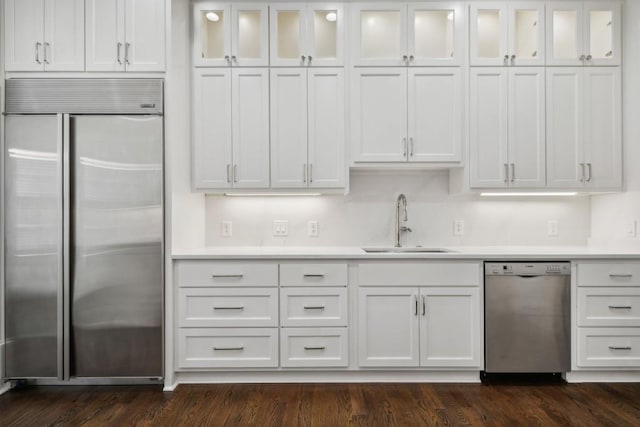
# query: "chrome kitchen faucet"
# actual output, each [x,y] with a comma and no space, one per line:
[401,203]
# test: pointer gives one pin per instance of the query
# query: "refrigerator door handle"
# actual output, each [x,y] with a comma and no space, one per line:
[65,315]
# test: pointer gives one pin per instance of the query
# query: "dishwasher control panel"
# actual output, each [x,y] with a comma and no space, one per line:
[527,268]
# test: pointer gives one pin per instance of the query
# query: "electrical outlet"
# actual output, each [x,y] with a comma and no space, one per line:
[280,228]
[227,229]
[631,228]
[312,228]
[552,228]
[458,227]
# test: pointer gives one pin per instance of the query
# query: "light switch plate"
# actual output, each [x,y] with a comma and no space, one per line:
[313,228]
[458,227]
[280,228]
[552,228]
[227,229]
[631,228]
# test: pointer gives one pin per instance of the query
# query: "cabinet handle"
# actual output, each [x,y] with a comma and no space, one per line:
[304,173]
[582,58]
[621,275]
[313,275]
[513,172]
[411,58]
[46,45]
[313,307]
[118,49]
[235,173]
[620,307]
[582,169]
[513,60]
[415,310]
[228,59]
[506,173]
[227,276]
[424,306]
[506,60]
[310,172]
[228,174]
[589,57]
[228,348]
[310,59]
[404,147]
[404,58]
[234,59]
[126,53]
[619,348]
[303,58]
[38,44]
[229,308]
[411,147]
[314,348]
[589,172]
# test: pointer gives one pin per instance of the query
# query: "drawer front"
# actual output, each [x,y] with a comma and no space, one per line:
[609,306]
[313,307]
[420,274]
[609,347]
[608,274]
[228,348]
[195,273]
[314,347]
[225,307]
[313,274]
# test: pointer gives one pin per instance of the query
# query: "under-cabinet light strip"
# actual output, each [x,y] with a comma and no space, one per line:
[546,194]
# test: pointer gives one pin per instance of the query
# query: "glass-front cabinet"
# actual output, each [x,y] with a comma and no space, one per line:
[307,34]
[507,34]
[428,33]
[228,34]
[584,33]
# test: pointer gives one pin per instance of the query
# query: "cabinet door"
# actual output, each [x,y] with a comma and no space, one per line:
[64,35]
[602,127]
[104,23]
[379,114]
[289,128]
[436,33]
[250,35]
[144,30]
[488,130]
[489,37]
[526,33]
[326,128]
[565,154]
[565,33]
[325,34]
[526,145]
[450,326]
[435,114]
[379,34]
[212,34]
[212,128]
[250,115]
[602,35]
[24,35]
[388,327]
[288,39]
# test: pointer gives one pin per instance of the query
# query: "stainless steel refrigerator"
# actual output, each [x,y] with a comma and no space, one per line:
[83,186]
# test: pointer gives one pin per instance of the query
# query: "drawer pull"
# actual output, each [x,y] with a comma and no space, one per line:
[620,275]
[314,348]
[619,348]
[228,348]
[241,307]
[313,275]
[314,307]
[227,276]
[620,307]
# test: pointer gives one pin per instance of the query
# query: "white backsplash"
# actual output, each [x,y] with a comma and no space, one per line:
[365,217]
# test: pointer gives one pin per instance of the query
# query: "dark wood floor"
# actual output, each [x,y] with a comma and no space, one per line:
[326,405]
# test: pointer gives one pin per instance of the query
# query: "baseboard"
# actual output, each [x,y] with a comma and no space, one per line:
[603,377]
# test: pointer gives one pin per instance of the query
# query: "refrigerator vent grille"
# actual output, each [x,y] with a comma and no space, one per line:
[84,96]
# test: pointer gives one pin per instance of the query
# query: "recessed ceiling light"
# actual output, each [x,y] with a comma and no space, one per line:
[212,16]
[331,16]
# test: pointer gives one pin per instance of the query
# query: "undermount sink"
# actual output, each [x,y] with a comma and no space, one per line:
[407,250]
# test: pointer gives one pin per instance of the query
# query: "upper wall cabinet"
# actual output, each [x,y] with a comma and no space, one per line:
[415,34]
[125,35]
[228,34]
[504,33]
[307,34]
[584,33]
[44,35]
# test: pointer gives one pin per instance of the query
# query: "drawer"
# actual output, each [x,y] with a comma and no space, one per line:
[609,306]
[194,273]
[224,307]
[228,348]
[313,306]
[314,347]
[609,347]
[313,274]
[608,274]
[420,274]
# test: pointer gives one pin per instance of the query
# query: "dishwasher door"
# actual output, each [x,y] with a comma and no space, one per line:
[527,324]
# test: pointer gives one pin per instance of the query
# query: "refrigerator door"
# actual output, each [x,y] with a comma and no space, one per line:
[33,246]
[116,246]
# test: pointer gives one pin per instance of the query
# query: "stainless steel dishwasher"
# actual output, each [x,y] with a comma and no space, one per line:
[527,323]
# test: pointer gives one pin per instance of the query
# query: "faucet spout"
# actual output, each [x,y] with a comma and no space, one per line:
[401,205]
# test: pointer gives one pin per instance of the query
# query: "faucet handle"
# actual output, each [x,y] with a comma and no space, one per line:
[405,228]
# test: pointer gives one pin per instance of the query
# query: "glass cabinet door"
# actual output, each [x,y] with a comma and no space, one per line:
[380,34]
[288,29]
[436,32]
[602,38]
[250,35]
[212,35]
[565,34]
[489,34]
[325,31]
[526,34]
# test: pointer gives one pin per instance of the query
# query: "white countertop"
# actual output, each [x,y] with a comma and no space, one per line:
[456,252]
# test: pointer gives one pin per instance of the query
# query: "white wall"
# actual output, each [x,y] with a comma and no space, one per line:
[611,213]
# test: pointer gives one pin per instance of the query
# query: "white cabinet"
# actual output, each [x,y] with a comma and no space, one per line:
[507,33]
[507,127]
[44,35]
[230,34]
[407,114]
[584,33]
[307,34]
[584,144]
[125,35]
[307,128]
[231,128]
[430,33]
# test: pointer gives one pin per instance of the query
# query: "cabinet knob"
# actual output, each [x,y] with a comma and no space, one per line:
[589,57]
[513,60]
[233,58]
[582,57]
[310,59]
[506,60]
[303,58]
[411,58]
[404,58]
